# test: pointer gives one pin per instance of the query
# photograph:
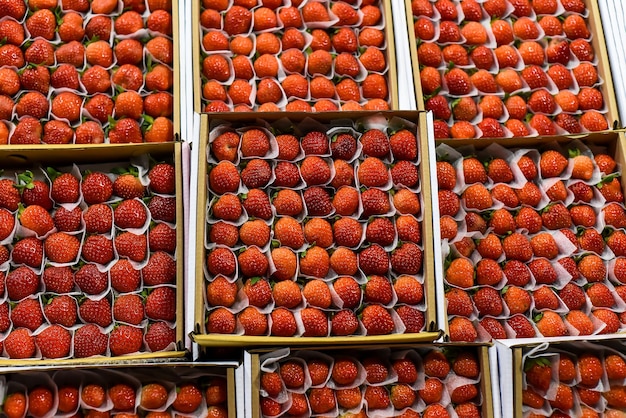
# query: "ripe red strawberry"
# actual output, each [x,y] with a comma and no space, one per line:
[462,329]
[89,341]
[19,344]
[98,219]
[458,82]
[407,259]
[131,246]
[591,240]
[91,280]
[478,197]
[27,313]
[28,251]
[97,249]
[124,277]
[375,143]
[556,216]
[376,320]
[96,187]
[65,187]
[611,189]
[488,301]
[125,339]
[128,308]
[54,342]
[130,214]
[403,145]
[61,310]
[572,296]
[159,336]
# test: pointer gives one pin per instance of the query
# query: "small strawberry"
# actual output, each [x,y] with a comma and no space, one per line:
[96,187]
[28,251]
[54,342]
[97,249]
[19,344]
[462,329]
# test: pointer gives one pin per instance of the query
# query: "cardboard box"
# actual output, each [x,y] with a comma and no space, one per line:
[199,102]
[610,142]
[512,355]
[328,119]
[256,361]
[168,374]
[109,156]
[598,43]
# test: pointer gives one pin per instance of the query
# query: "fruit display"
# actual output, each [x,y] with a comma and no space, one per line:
[313,229]
[301,56]
[585,380]
[141,391]
[86,72]
[511,68]
[533,240]
[423,381]
[89,258]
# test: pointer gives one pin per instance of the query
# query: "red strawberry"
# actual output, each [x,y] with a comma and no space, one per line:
[91,280]
[61,310]
[28,251]
[97,249]
[377,320]
[54,342]
[19,344]
[125,339]
[65,187]
[130,214]
[128,186]
[131,246]
[98,219]
[96,187]
[21,283]
[128,308]
[27,313]
[159,336]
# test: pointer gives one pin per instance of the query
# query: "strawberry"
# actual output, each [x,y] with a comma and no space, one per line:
[556,216]
[462,329]
[159,336]
[473,171]
[592,268]
[97,249]
[593,369]
[130,214]
[54,342]
[478,197]
[375,143]
[458,82]
[257,204]
[61,310]
[573,296]
[128,308]
[35,218]
[28,251]
[315,322]
[593,121]
[252,262]
[27,313]
[65,187]
[407,259]
[19,344]
[89,341]
[91,280]
[376,320]
[545,298]
[488,301]
[125,339]
[611,188]
[582,192]
[591,240]
[21,283]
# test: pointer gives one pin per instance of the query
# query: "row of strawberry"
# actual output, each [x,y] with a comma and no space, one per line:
[296,78]
[585,381]
[55,91]
[384,383]
[128,391]
[88,340]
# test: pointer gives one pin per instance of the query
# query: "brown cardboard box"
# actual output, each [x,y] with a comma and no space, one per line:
[598,43]
[199,101]
[511,356]
[252,366]
[337,119]
[30,157]
[613,142]
[168,374]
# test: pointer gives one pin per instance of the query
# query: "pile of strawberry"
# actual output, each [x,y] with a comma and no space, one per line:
[86,72]
[502,68]
[424,383]
[588,384]
[301,56]
[123,393]
[87,261]
[315,233]
[535,242]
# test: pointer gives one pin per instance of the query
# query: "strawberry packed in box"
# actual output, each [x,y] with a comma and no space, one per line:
[85,72]
[509,68]
[313,231]
[533,241]
[312,55]
[585,380]
[88,260]
[147,392]
[425,382]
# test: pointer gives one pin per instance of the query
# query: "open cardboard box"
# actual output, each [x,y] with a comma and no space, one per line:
[253,359]
[30,157]
[511,355]
[209,122]
[164,372]
[613,141]
[197,56]
[594,23]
